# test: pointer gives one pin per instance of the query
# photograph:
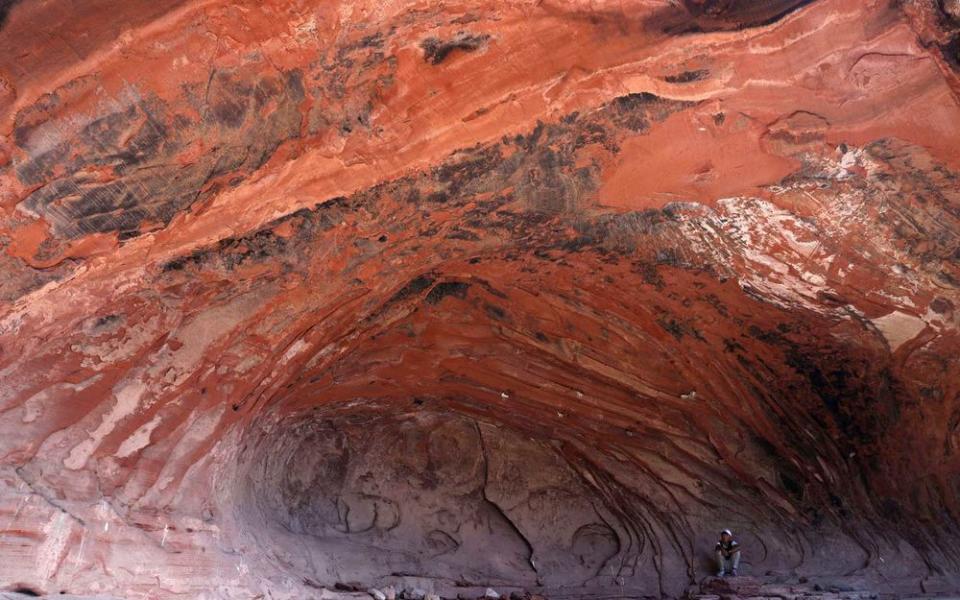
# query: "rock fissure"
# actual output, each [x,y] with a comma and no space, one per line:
[499,509]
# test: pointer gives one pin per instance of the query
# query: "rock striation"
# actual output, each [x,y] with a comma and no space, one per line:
[364,298]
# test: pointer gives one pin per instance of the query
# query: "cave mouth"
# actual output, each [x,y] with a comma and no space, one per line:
[508,447]
[362,496]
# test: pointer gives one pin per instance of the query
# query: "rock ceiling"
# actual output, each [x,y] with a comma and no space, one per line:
[531,294]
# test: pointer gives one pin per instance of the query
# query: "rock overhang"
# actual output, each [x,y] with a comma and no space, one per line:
[654,279]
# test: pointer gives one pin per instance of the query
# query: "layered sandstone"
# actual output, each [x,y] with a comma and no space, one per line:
[300,296]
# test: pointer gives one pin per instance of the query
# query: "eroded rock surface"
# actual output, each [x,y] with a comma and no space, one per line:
[306,299]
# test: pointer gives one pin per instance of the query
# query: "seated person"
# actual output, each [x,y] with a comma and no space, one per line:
[728,554]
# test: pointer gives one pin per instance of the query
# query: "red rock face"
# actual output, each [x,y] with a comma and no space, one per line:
[533,295]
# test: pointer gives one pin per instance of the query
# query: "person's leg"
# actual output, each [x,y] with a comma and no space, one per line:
[721,567]
[736,561]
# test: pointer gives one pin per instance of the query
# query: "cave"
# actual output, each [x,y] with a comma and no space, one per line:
[527,300]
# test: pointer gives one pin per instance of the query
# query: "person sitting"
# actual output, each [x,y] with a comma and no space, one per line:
[728,554]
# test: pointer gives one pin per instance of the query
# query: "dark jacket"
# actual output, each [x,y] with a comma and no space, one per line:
[727,549]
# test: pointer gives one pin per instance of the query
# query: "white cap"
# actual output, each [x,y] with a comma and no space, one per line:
[727,531]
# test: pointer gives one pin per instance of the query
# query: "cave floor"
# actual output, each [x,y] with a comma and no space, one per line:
[711,588]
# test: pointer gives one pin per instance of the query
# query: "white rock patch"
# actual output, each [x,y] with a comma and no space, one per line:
[899,328]
[128,399]
[140,438]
